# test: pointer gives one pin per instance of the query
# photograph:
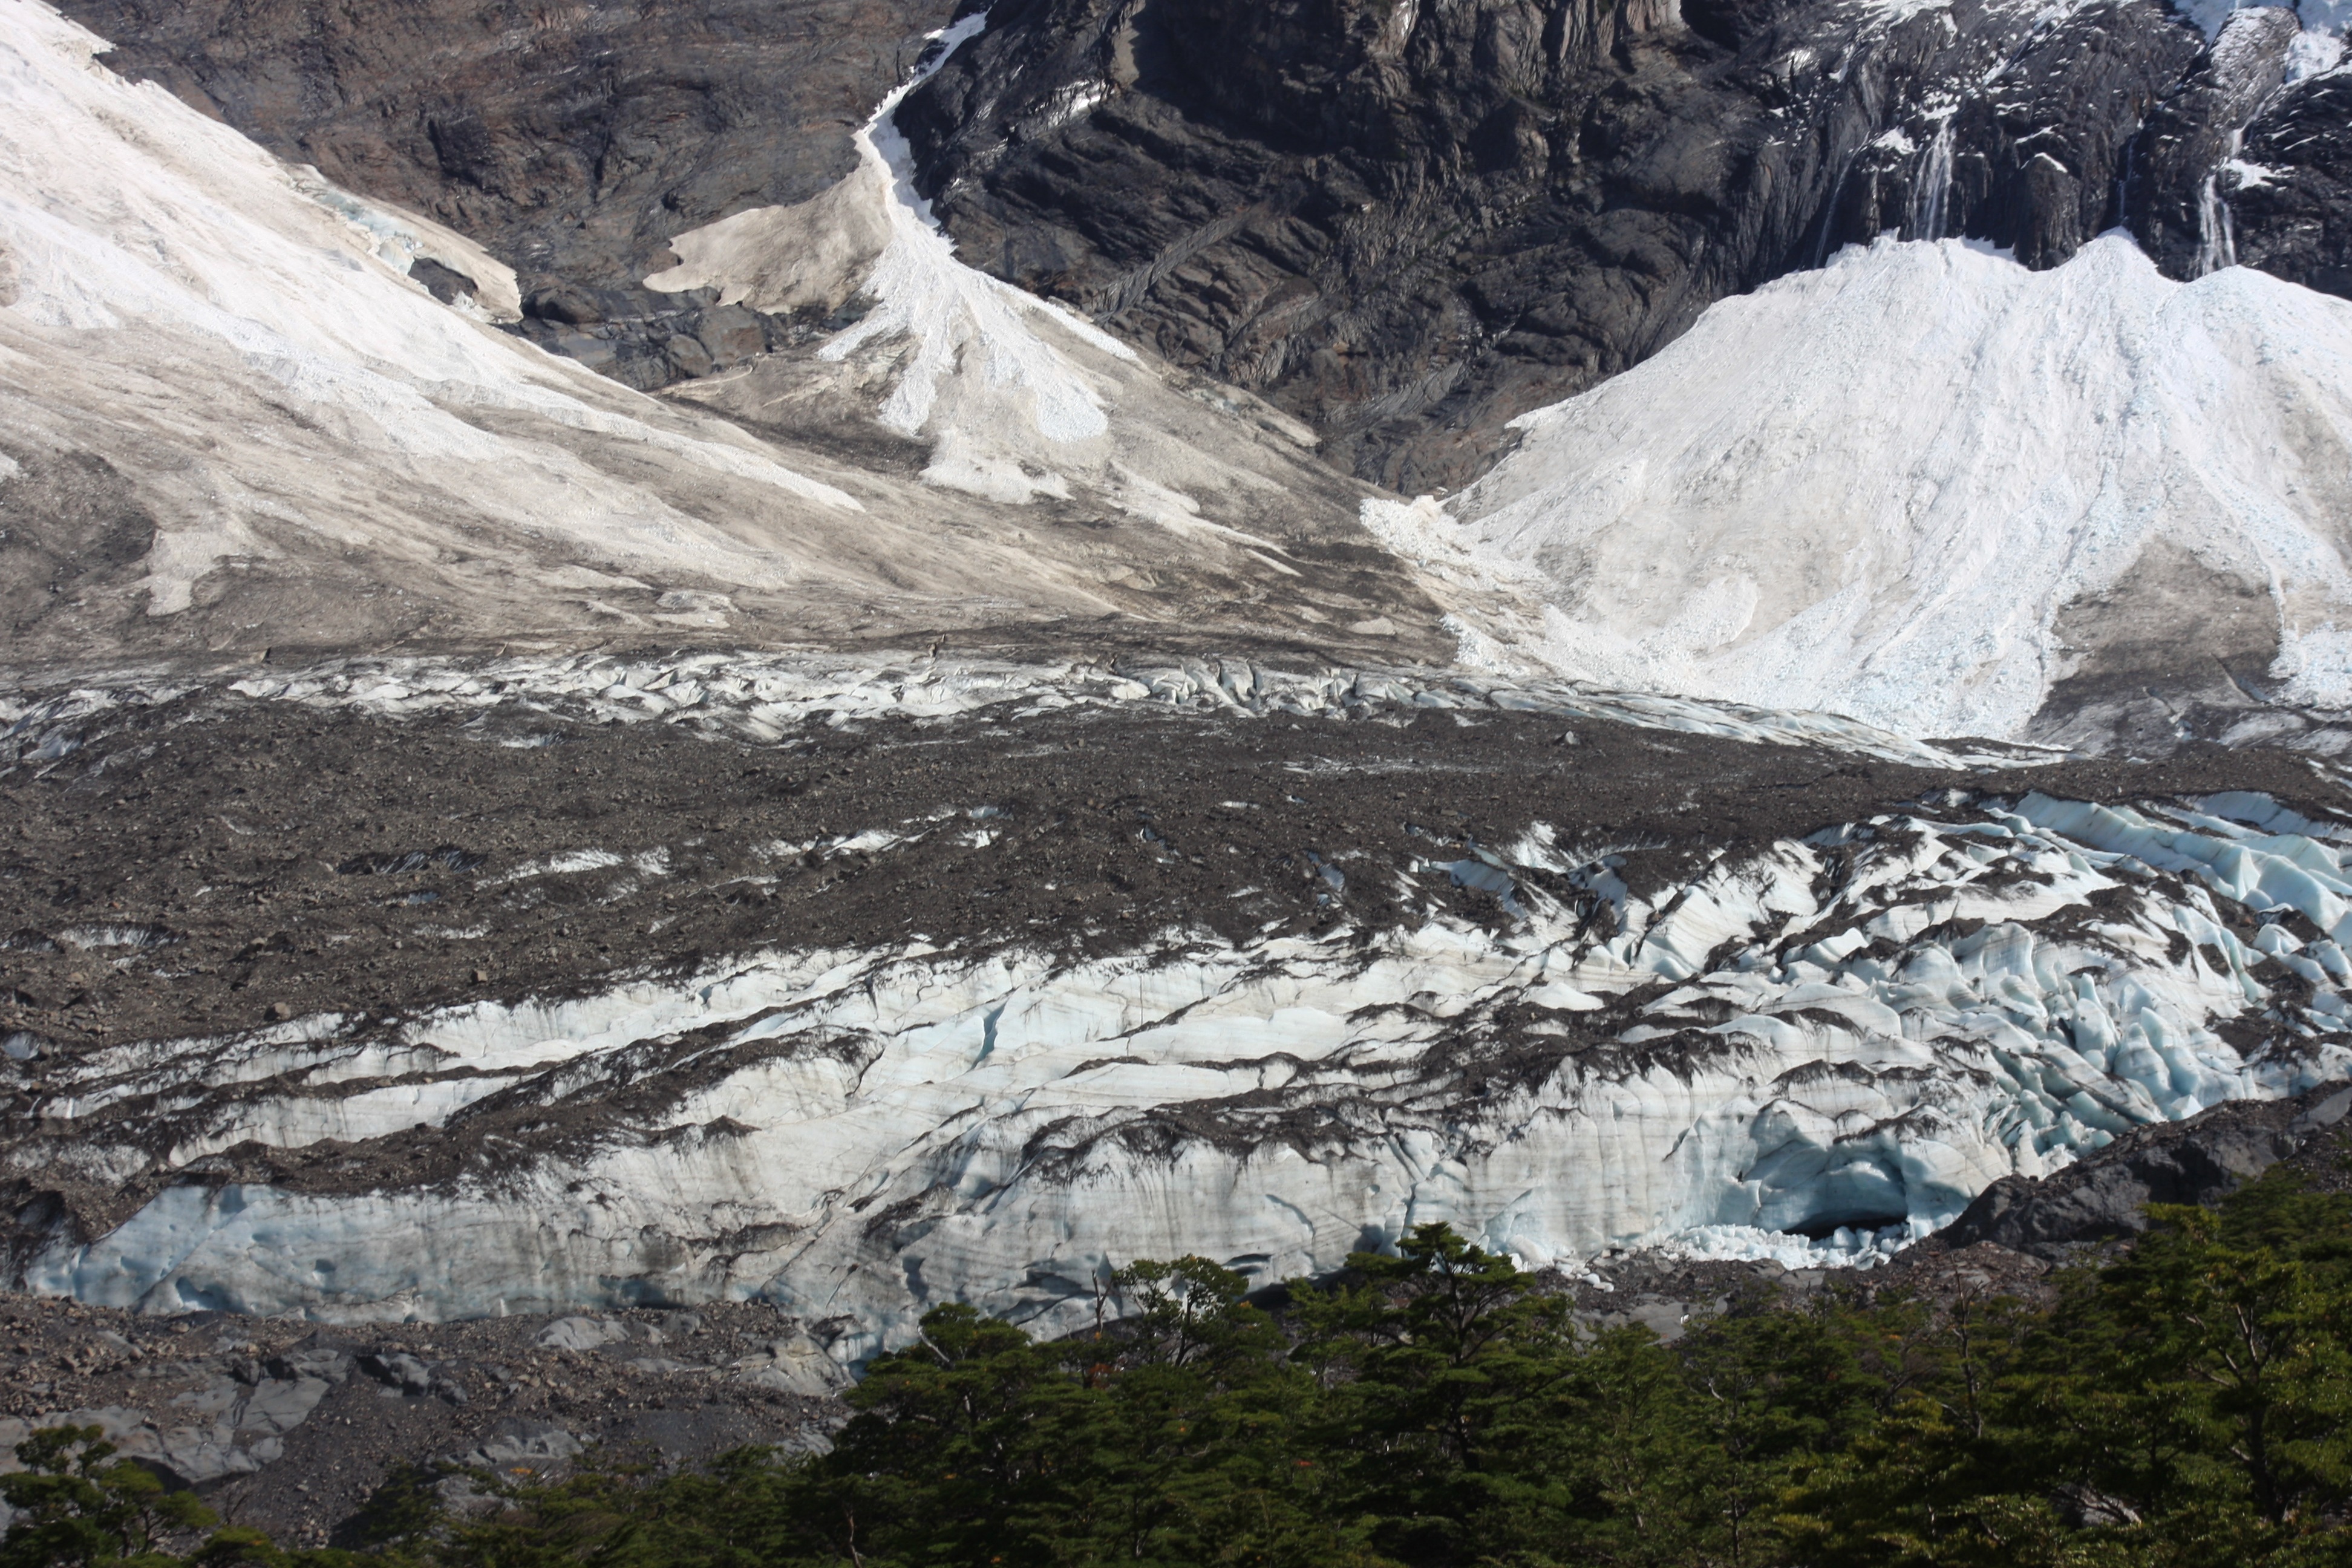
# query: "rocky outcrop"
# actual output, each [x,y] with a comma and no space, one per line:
[572,144]
[2250,160]
[2288,189]
[2199,1160]
[1408,224]
[289,1427]
[2186,162]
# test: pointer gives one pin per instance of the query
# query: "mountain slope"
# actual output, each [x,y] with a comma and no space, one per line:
[1929,487]
[237,420]
[570,142]
[1409,223]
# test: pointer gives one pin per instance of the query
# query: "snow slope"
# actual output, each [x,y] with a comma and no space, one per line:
[223,361]
[167,278]
[1879,487]
[1018,400]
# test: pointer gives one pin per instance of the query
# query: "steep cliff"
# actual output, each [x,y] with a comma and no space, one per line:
[1408,224]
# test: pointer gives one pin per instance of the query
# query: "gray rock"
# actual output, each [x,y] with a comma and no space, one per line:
[277,1406]
[2295,222]
[2105,1197]
[581,1333]
[327,1363]
[519,1442]
[795,1364]
[398,1371]
[1408,237]
[2179,183]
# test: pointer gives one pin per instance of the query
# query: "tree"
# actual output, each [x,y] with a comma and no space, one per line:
[77,1504]
[1427,1360]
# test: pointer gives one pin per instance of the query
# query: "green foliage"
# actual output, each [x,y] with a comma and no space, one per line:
[2188,1407]
[75,1503]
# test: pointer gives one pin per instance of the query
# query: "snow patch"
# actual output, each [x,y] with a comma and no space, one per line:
[2315,52]
[950,310]
[981,373]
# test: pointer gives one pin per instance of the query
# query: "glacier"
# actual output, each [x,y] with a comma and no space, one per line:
[1816,1048]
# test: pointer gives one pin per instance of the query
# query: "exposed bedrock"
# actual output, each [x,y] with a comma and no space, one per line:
[2201,1161]
[2182,162]
[572,144]
[1405,224]
[2288,184]
[436,991]
[1408,224]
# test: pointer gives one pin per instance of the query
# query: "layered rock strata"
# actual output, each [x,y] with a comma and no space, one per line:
[1410,224]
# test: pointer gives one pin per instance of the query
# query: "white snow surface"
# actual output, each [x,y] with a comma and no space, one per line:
[1018,398]
[175,291]
[978,361]
[1870,490]
[1865,1028]
[238,345]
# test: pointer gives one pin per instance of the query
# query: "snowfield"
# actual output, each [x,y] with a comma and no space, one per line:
[304,445]
[1877,490]
[174,291]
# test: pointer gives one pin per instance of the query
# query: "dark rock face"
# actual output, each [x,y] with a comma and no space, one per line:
[648,340]
[1408,224]
[2198,1161]
[2285,186]
[571,143]
[2179,183]
[1405,222]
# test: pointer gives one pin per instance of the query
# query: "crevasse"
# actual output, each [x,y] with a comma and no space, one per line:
[1820,1048]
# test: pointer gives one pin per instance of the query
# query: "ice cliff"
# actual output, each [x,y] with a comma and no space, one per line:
[1817,1046]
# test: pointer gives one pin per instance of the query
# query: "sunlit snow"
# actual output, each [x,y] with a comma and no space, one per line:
[1872,488]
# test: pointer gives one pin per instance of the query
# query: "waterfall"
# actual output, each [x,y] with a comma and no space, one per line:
[1829,212]
[1929,202]
[2216,236]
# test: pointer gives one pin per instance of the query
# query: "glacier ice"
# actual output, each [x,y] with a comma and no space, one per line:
[765,697]
[1810,1049]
